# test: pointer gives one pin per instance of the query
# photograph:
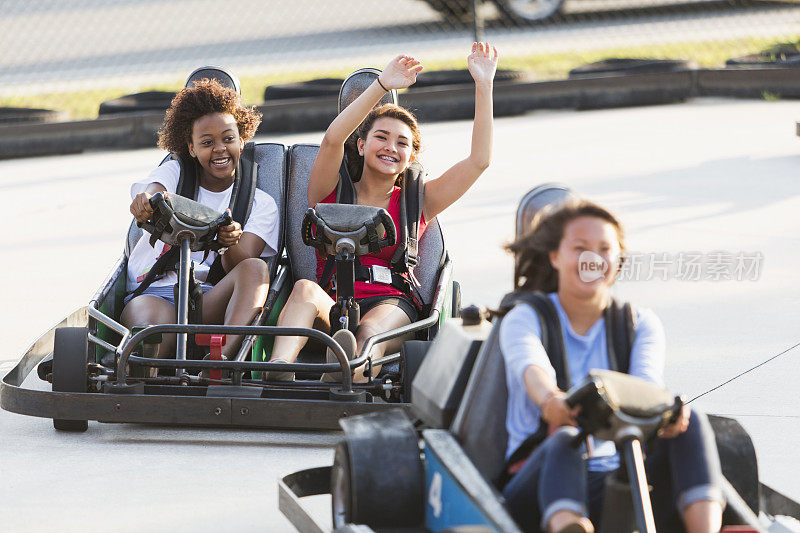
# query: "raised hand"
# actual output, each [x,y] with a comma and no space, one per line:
[400,73]
[482,62]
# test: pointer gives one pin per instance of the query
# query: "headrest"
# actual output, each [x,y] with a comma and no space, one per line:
[222,76]
[357,82]
[546,195]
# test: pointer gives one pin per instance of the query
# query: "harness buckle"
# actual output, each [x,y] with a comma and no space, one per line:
[380,274]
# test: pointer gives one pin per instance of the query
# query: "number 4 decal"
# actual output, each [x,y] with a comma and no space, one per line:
[435,494]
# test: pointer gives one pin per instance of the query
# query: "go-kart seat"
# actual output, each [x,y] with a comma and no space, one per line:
[271,178]
[302,258]
[480,423]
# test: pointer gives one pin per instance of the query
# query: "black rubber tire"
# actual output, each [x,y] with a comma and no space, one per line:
[455,304]
[462,76]
[387,487]
[512,13]
[138,102]
[304,89]
[70,373]
[27,115]
[341,487]
[456,12]
[779,55]
[630,65]
[411,355]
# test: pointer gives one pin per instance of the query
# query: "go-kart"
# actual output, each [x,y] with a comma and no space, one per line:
[97,365]
[459,426]
[434,467]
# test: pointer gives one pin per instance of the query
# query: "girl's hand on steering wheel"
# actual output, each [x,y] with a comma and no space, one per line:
[229,235]
[677,427]
[141,208]
[482,62]
[556,412]
[400,73]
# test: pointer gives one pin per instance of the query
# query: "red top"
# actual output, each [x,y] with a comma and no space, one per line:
[365,289]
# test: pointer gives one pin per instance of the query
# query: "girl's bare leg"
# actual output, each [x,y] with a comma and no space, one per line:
[704,516]
[237,299]
[149,310]
[308,306]
[381,318]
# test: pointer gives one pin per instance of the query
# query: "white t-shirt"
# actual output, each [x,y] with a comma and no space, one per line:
[263,222]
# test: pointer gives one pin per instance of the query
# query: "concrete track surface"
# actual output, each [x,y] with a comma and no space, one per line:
[701,177]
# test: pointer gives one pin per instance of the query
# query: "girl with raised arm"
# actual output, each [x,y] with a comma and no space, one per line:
[387,140]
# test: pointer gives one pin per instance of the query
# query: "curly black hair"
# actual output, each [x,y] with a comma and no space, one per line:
[205,97]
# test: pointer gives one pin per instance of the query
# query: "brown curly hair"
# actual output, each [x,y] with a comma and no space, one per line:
[532,268]
[355,161]
[205,97]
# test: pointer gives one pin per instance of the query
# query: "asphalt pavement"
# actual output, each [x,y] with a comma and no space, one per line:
[710,178]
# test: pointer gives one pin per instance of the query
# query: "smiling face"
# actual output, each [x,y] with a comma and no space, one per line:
[588,257]
[217,146]
[387,149]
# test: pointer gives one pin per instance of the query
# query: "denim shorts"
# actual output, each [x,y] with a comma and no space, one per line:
[165,292]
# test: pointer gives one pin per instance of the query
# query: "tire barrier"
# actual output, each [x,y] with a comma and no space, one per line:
[452,102]
[27,115]
[137,103]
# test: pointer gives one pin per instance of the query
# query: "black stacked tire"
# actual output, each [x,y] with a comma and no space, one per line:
[629,65]
[139,102]
[70,358]
[28,115]
[305,89]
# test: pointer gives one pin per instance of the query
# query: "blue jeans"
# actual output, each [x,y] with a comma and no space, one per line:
[682,471]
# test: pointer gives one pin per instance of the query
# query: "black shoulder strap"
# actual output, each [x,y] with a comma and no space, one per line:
[406,257]
[550,326]
[187,182]
[345,190]
[166,262]
[241,204]
[620,334]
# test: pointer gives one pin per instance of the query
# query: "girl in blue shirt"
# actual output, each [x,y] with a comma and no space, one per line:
[556,489]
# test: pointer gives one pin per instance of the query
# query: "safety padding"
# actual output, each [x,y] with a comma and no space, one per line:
[301,157]
[301,257]
[271,159]
[480,424]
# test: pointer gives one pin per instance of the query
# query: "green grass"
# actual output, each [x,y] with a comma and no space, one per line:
[84,104]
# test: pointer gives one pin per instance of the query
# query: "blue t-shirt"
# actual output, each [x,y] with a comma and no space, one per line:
[521,344]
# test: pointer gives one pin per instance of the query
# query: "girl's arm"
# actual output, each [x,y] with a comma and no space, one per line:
[140,206]
[399,73]
[451,185]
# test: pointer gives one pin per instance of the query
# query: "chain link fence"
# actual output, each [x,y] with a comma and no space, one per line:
[72,55]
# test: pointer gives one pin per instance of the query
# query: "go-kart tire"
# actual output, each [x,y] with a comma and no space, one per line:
[138,102]
[341,486]
[389,492]
[27,115]
[629,65]
[528,11]
[411,355]
[70,373]
[455,302]
[304,89]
